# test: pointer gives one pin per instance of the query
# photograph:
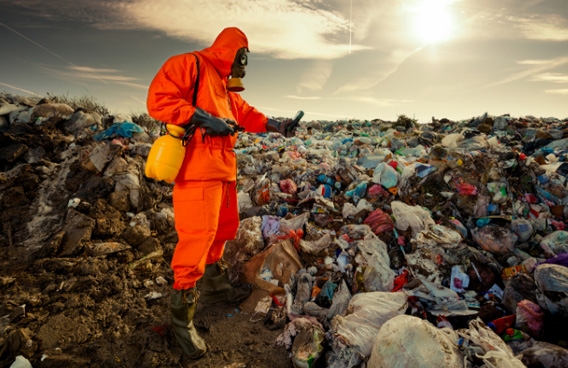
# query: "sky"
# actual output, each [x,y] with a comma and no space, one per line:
[333,59]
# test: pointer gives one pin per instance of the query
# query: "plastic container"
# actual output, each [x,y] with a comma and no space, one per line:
[501,324]
[166,155]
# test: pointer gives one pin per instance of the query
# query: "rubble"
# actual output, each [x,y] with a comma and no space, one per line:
[363,239]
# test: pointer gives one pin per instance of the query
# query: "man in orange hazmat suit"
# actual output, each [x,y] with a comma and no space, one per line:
[197,91]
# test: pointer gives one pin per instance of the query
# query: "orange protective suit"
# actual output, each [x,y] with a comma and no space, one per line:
[204,196]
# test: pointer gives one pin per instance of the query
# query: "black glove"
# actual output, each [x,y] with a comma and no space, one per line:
[213,125]
[287,127]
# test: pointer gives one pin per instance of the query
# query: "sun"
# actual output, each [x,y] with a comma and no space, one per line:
[433,21]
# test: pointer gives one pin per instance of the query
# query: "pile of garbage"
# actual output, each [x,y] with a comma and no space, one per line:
[375,243]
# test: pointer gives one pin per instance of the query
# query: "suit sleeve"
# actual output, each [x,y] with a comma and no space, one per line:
[247,116]
[171,91]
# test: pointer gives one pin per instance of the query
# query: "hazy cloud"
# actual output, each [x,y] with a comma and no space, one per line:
[18,89]
[534,67]
[86,73]
[557,91]
[551,77]
[296,97]
[88,69]
[281,28]
[134,85]
[379,102]
[315,76]
[35,43]
[544,27]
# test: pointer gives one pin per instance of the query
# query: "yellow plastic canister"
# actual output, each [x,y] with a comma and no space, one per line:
[166,155]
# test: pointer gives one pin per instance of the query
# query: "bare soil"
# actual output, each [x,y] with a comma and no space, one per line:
[66,303]
[85,312]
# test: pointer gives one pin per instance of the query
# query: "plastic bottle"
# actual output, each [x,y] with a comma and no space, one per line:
[166,155]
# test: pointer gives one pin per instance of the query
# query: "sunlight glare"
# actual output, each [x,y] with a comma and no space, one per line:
[432,21]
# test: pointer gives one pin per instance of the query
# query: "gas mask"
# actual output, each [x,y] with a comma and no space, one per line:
[238,71]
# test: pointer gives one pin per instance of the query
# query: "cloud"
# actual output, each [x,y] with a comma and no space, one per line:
[544,27]
[35,43]
[134,85]
[77,72]
[91,70]
[315,76]
[284,29]
[281,28]
[557,91]
[363,83]
[296,97]
[534,67]
[18,89]
[84,11]
[390,66]
[380,102]
[86,73]
[550,77]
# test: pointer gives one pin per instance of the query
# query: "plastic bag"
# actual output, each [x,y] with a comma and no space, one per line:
[522,228]
[307,347]
[353,335]
[415,217]
[495,239]
[273,267]
[340,300]
[438,235]
[541,354]
[379,221]
[378,276]
[552,283]
[530,318]
[482,343]
[125,129]
[385,175]
[407,341]
[517,289]
[555,243]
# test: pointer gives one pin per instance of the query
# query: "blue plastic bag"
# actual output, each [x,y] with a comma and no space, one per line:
[125,129]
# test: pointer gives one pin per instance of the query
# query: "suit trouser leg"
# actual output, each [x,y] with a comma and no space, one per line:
[206,216]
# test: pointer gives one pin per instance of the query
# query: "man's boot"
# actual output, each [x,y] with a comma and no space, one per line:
[215,287]
[182,306]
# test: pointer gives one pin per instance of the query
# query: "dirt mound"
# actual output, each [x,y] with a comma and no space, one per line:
[85,246]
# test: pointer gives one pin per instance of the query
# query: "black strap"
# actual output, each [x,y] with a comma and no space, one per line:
[196,83]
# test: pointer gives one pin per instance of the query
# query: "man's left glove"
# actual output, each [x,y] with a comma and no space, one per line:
[287,127]
[213,125]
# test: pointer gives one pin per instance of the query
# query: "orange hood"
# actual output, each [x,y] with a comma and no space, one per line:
[222,53]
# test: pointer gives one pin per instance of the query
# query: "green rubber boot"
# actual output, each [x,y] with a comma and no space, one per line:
[182,308]
[215,287]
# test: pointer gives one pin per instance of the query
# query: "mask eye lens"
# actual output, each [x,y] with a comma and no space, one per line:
[244,59]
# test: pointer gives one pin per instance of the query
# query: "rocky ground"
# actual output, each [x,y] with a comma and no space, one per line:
[80,286]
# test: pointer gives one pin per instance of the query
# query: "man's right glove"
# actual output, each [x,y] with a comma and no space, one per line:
[287,127]
[213,125]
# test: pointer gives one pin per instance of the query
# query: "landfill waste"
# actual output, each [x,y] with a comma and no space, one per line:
[369,244]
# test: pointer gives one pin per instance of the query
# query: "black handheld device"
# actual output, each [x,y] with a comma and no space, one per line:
[295,121]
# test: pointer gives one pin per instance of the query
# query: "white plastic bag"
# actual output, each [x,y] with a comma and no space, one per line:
[415,217]
[407,341]
[353,335]
[484,344]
